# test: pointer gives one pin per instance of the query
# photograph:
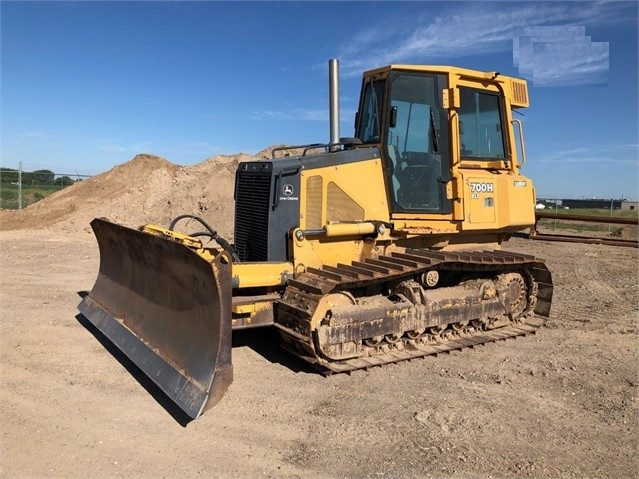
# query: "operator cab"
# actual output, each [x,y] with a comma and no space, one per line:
[401,112]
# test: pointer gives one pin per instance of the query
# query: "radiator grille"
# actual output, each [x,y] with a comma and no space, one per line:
[252,202]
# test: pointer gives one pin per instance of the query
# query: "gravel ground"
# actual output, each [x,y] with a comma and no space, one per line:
[561,403]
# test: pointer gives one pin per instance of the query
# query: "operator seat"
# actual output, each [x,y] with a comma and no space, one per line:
[417,179]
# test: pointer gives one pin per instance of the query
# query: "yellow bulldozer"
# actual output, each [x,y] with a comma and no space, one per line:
[361,252]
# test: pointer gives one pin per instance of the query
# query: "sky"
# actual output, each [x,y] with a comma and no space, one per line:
[85,86]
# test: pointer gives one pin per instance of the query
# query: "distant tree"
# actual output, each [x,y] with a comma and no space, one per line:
[8,175]
[34,178]
[64,181]
[41,177]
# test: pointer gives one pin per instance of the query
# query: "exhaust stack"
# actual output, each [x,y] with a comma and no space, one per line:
[333,86]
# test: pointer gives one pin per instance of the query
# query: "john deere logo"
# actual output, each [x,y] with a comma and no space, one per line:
[288,193]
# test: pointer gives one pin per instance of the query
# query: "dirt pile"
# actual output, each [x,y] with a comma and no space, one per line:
[146,189]
[151,189]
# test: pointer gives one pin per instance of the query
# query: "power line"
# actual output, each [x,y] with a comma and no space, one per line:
[26,165]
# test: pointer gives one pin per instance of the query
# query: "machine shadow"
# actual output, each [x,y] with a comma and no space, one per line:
[264,341]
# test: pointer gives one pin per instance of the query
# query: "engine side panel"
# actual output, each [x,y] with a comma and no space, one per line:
[271,198]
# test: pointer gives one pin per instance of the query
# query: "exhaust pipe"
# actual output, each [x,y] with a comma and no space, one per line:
[333,107]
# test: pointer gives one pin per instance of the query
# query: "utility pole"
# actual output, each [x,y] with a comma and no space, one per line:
[19,185]
[610,215]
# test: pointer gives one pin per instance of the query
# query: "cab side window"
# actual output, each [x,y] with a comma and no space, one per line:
[480,126]
[371,112]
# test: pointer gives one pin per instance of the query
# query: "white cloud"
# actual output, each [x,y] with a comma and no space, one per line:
[560,56]
[37,136]
[622,155]
[295,114]
[569,63]
[523,42]
[117,147]
[475,28]
[196,149]
[301,114]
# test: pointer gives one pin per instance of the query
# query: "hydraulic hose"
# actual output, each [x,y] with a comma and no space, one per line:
[211,233]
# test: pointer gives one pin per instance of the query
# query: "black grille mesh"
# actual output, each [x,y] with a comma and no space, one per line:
[252,203]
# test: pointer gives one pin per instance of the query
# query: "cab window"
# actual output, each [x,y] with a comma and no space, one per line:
[371,111]
[481,132]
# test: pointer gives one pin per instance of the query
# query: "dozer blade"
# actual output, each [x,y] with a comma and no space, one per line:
[168,310]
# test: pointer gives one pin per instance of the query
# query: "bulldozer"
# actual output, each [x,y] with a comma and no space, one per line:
[361,252]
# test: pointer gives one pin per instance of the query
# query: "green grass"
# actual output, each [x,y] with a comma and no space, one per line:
[560,224]
[30,194]
[595,212]
[576,226]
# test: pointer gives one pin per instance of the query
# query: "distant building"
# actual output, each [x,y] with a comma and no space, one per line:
[594,203]
[630,205]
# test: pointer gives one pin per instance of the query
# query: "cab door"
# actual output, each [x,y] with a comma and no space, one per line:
[417,143]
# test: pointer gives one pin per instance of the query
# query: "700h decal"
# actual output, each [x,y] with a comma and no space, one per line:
[481,187]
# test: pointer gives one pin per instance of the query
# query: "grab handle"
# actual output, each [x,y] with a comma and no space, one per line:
[520,129]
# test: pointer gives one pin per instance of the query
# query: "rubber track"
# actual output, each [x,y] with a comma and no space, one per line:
[318,282]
